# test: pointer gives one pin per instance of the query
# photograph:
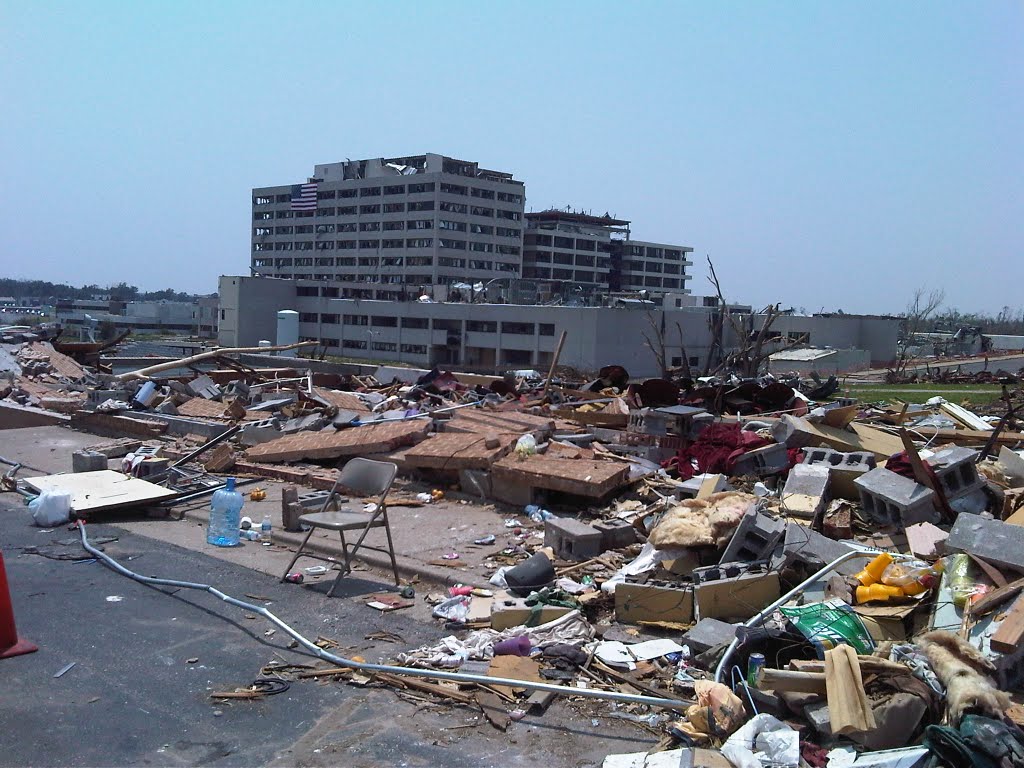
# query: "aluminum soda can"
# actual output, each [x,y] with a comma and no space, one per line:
[294,578]
[755,669]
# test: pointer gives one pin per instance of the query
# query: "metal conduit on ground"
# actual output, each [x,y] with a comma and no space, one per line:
[341,661]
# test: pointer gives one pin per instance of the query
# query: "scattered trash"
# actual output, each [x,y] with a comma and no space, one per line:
[66,668]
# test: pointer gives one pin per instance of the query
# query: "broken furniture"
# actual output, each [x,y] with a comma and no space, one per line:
[366,478]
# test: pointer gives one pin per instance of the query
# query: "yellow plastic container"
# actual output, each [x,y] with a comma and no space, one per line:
[873,571]
[877,593]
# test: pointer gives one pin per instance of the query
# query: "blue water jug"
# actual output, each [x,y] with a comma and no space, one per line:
[225,516]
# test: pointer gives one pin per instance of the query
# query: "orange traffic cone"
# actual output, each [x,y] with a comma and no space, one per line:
[10,645]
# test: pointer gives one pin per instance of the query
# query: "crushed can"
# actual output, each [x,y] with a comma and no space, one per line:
[294,578]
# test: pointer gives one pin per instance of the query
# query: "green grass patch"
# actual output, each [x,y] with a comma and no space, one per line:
[975,394]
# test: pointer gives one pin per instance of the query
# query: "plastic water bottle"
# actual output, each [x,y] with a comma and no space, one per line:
[225,516]
[266,530]
[537,514]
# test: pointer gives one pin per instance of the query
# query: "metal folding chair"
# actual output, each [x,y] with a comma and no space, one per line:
[359,476]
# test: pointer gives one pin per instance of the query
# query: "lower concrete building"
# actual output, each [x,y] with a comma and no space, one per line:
[497,337]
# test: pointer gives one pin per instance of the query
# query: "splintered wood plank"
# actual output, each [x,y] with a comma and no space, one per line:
[1008,637]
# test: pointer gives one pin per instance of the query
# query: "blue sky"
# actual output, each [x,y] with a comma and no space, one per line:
[825,155]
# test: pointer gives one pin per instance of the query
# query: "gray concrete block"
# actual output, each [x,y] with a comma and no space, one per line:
[709,633]
[683,420]
[88,461]
[808,550]
[256,432]
[762,462]
[893,500]
[308,423]
[844,468]
[806,491]
[958,475]
[993,540]
[571,539]
[755,538]
[615,534]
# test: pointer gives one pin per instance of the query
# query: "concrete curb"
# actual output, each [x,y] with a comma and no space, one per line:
[408,567]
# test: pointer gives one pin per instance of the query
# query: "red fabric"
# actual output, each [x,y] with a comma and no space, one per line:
[716,450]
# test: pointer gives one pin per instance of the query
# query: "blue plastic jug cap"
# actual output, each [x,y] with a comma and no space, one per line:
[231,484]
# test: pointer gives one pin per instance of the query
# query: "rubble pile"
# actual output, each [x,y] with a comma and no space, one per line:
[810,579]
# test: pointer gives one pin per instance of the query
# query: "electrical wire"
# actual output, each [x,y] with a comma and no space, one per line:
[460,677]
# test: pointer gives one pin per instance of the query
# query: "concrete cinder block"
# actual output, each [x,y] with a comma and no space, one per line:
[718,594]
[690,488]
[309,423]
[654,600]
[844,468]
[958,474]
[755,538]
[571,539]
[807,551]
[891,499]
[615,534]
[806,492]
[256,432]
[88,461]
[505,489]
[709,633]
[993,540]
[762,462]
[684,420]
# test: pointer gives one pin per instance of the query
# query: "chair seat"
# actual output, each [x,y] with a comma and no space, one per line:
[341,521]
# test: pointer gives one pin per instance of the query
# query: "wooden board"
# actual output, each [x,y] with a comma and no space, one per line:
[105,489]
[1008,637]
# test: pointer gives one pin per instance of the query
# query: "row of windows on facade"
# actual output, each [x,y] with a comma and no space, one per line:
[361,277]
[376,209]
[424,324]
[374,262]
[587,260]
[397,189]
[372,245]
[377,346]
[387,226]
[584,276]
[579,244]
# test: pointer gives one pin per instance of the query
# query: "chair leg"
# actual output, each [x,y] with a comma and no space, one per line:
[344,552]
[298,553]
[391,551]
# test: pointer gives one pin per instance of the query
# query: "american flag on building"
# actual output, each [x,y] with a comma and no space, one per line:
[304,197]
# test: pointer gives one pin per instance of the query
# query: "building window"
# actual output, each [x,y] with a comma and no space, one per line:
[392,243]
[507,232]
[445,261]
[398,189]
[369,226]
[391,226]
[486,194]
[458,245]
[547,329]
[384,322]
[348,210]
[482,247]
[394,207]
[426,205]
[357,320]
[508,197]
[262,200]
[451,207]
[369,244]
[521,329]
[482,326]
[414,349]
[353,344]
[454,189]
[481,229]
[369,192]
[375,208]
[415,189]
[476,210]
[326,195]
[415,322]
[456,226]
[421,223]
[420,242]
[347,193]
[308,317]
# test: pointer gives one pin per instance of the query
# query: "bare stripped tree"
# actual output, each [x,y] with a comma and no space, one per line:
[657,343]
[920,312]
[750,352]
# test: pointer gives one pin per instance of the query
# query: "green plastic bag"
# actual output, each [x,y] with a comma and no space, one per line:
[828,624]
